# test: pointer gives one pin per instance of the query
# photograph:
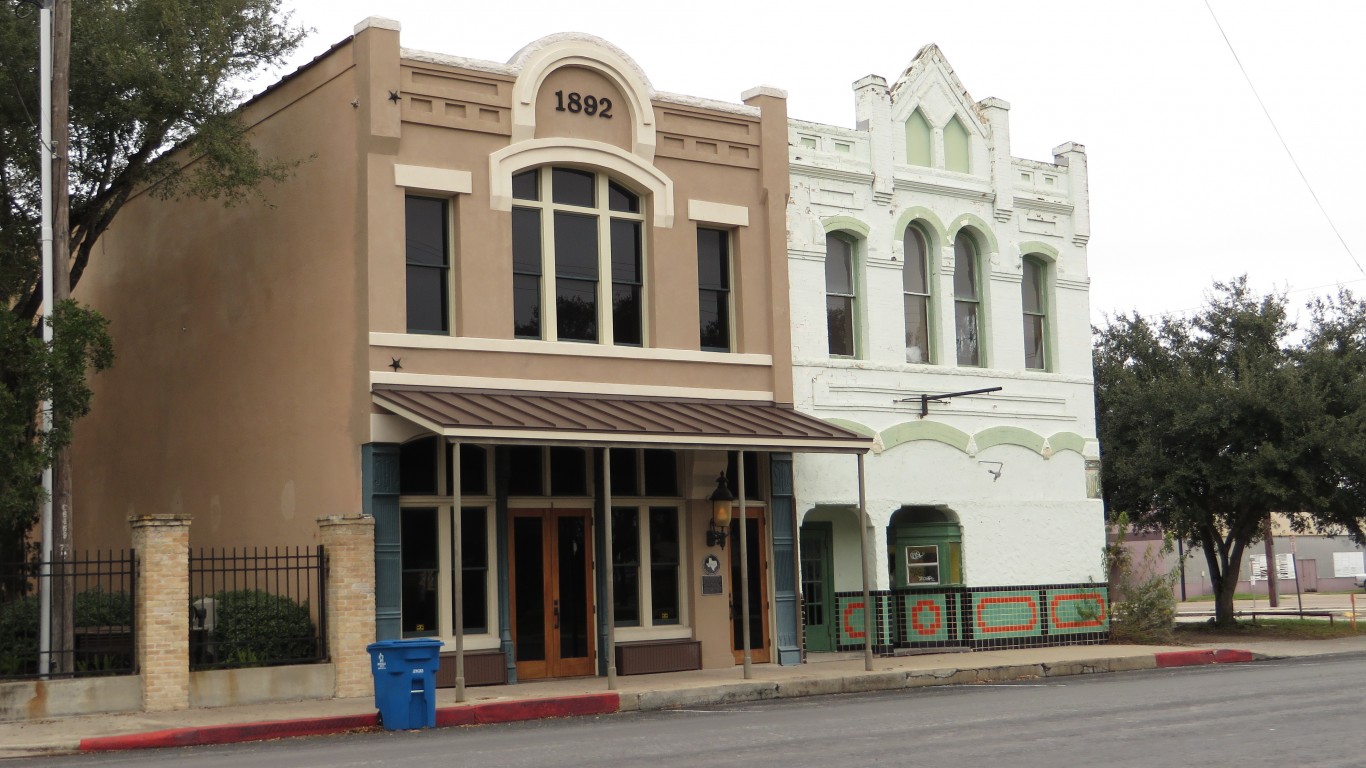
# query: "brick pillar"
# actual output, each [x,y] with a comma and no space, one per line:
[350,546]
[161,608]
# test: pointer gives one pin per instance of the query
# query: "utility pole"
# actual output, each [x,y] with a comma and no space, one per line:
[45,408]
[1271,571]
[64,597]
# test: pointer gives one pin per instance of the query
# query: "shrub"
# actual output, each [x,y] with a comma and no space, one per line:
[19,637]
[255,628]
[1143,608]
[97,608]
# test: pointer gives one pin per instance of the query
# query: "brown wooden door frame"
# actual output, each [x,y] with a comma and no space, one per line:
[758,545]
[553,665]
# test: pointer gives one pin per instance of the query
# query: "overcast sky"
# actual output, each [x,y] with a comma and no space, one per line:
[1189,182]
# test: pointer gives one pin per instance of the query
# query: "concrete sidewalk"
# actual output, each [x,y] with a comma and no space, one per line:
[826,674]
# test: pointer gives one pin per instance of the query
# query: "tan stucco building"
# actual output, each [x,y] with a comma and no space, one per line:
[532,292]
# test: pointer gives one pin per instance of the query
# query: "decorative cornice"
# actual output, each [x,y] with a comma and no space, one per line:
[982,192]
[835,174]
[1047,206]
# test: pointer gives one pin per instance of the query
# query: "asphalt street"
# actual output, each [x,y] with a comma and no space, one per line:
[1301,712]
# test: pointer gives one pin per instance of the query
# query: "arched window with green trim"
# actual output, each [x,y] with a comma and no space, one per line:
[915,292]
[1034,303]
[967,300]
[918,140]
[924,547]
[957,144]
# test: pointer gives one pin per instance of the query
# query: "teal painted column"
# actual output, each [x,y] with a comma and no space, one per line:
[379,499]
[785,586]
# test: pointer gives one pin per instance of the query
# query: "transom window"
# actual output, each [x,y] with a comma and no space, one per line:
[967,300]
[577,258]
[915,289]
[1035,314]
[840,298]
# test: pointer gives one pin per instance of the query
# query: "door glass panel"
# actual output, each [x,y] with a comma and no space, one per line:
[813,581]
[417,527]
[626,566]
[530,559]
[572,556]
[756,595]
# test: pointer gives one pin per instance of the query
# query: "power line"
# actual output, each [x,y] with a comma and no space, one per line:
[1286,146]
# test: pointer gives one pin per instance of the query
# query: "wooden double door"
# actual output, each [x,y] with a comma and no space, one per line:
[551,567]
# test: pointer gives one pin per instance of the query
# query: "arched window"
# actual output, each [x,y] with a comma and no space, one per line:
[841,296]
[967,300]
[956,146]
[918,138]
[924,548]
[577,258]
[1035,307]
[915,290]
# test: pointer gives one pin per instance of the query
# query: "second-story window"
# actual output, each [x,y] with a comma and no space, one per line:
[713,289]
[840,297]
[967,300]
[577,258]
[427,246]
[915,290]
[1035,314]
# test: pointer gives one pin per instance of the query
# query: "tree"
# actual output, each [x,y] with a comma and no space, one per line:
[1207,424]
[153,102]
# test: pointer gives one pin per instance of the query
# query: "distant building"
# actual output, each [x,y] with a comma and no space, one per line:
[925,260]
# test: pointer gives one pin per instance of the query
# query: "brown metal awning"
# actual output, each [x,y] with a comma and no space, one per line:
[501,416]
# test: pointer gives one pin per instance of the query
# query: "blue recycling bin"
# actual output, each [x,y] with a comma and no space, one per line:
[405,682]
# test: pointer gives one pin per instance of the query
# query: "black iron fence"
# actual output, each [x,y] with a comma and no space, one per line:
[92,631]
[257,607]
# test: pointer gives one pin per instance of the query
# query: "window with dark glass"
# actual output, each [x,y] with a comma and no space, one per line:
[525,475]
[419,563]
[664,561]
[626,566]
[474,470]
[587,233]
[967,301]
[568,472]
[1035,316]
[475,568]
[713,287]
[417,461]
[625,481]
[839,294]
[661,472]
[915,290]
[753,482]
[646,560]
[427,240]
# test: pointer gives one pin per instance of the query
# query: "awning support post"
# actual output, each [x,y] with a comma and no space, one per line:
[606,560]
[744,564]
[868,614]
[459,566]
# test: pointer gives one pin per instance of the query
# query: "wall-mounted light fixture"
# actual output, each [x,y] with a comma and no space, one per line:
[995,473]
[721,499]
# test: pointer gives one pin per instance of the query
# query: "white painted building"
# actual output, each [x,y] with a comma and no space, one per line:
[925,260]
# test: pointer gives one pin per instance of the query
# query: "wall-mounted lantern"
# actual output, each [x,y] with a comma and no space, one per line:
[721,500]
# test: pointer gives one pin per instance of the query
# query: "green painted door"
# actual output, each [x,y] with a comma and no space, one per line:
[818,593]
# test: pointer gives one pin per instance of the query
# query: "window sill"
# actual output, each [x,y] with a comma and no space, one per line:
[566,348]
[641,634]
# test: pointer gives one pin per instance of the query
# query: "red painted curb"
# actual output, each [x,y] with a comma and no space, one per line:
[472,714]
[1196,658]
[535,709]
[229,734]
